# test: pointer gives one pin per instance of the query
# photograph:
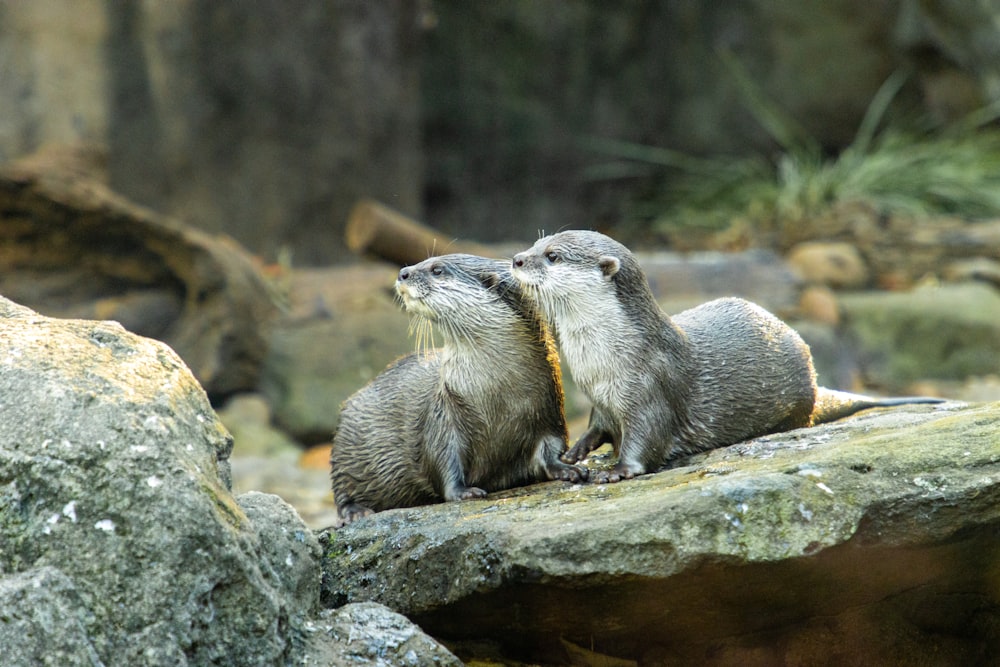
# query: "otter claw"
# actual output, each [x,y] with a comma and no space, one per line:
[575,454]
[471,493]
[351,512]
[616,474]
[569,473]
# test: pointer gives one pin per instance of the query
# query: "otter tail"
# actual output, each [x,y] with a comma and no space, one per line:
[832,404]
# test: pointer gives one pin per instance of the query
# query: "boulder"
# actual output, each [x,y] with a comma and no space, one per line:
[120,542]
[872,540]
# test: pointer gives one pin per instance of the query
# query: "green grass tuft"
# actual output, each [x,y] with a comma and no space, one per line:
[952,170]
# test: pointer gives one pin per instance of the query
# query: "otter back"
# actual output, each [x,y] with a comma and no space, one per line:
[753,374]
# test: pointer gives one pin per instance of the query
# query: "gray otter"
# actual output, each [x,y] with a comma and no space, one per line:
[482,413]
[662,387]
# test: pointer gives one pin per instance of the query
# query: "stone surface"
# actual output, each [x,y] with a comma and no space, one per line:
[372,634]
[831,264]
[872,540]
[113,485]
[43,620]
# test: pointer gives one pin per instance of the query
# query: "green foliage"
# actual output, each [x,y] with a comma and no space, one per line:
[916,171]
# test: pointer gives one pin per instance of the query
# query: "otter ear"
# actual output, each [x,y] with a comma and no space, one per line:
[490,280]
[609,266]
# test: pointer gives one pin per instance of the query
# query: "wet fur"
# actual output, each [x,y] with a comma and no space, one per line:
[482,413]
[662,387]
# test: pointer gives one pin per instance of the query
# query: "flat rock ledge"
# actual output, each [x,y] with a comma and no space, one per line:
[872,540]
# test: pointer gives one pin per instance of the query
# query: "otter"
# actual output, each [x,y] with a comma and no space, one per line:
[482,413]
[662,387]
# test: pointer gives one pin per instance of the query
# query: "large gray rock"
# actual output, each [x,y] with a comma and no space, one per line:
[120,542]
[873,540]
[115,476]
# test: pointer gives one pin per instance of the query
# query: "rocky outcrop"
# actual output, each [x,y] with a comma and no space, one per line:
[120,542]
[873,540]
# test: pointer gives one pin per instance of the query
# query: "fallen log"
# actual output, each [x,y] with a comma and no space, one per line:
[375,230]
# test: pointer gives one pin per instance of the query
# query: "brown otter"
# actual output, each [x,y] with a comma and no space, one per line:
[482,413]
[664,387]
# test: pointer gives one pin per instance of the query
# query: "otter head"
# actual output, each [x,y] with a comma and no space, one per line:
[465,295]
[575,271]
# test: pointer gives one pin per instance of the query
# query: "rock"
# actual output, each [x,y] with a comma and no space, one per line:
[73,248]
[369,633]
[114,489]
[306,489]
[830,264]
[872,540]
[944,332]
[288,548]
[819,304]
[975,268]
[43,620]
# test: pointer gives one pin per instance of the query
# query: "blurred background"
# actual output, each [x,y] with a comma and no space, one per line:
[190,168]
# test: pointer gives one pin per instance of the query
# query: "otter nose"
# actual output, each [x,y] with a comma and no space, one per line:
[519,260]
[404,273]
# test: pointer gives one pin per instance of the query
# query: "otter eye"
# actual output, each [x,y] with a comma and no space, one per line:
[437,270]
[552,256]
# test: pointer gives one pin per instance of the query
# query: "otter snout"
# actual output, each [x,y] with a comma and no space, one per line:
[520,259]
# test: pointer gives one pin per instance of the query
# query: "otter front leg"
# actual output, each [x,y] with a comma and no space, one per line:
[635,457]
[452,475]
[445,446]
[600,430]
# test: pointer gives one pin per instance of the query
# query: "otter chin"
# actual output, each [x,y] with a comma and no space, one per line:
[664,387]
[482,413]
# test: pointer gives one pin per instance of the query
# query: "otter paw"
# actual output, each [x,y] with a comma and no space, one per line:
[471,493]
[569,473]
[351,512]
[616,474]
[575,454]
